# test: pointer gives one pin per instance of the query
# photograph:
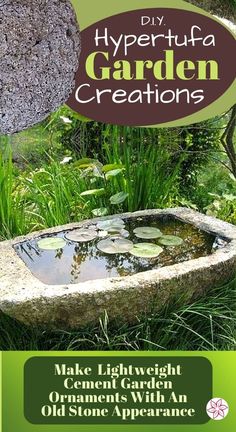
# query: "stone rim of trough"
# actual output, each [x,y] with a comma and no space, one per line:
[19,288]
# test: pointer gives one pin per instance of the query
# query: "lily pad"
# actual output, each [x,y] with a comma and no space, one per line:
[148,233]
[51,243]
[82,235]
[111,225]
[146,250]
[169,240]
[119,234]
[124,233]
[117,246]
[103,234]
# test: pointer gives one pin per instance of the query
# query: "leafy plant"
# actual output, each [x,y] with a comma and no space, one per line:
[223,207]
[12,204]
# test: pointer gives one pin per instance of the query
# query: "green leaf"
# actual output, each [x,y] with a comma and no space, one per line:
[93,192]
[118,198]
[169,240]
[85,162]
[147,233]
[112,167]
[146,250]
[82,235]
[113,173]
[117,246]
[100,212]
[52,243]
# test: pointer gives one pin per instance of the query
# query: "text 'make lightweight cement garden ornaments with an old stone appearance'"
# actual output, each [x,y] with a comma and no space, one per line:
[39,56]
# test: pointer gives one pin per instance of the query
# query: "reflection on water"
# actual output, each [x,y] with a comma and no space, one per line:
[80,262]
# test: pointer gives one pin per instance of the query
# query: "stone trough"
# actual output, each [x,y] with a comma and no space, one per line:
[26,298]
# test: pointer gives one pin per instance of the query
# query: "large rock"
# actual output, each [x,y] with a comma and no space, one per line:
[39,55]
[24,297]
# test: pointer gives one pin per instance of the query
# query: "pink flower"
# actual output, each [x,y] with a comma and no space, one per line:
[217,409]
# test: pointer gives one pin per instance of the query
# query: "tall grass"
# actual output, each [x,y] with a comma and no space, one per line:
[207,324]
[151,174]
[12,215]
[53,193]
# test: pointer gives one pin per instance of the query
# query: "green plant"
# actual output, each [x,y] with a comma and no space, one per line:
[53,195]
[12,211]
[223,207]
[150,177]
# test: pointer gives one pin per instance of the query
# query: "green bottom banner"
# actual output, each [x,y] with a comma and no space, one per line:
[81,391]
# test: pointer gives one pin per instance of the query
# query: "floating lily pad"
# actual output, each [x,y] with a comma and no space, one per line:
[147,233]
[124,233]
[117,246]
[146,250]
[82,235]
[119,234]
[103,234]
[51,243]
[169,240]
[111,225]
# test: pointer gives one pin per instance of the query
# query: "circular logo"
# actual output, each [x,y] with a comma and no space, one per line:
[217,409]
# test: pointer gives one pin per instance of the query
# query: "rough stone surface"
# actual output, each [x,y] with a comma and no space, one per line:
[39,56]
[25,298]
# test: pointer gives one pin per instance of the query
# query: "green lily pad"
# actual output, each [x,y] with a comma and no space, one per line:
[169,240]
[146,250]
[116,246]
[147,233]
[51,243]
[111,225]
[82,235]
[119,234]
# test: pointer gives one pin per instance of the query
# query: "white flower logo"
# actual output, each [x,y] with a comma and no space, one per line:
[217,409]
